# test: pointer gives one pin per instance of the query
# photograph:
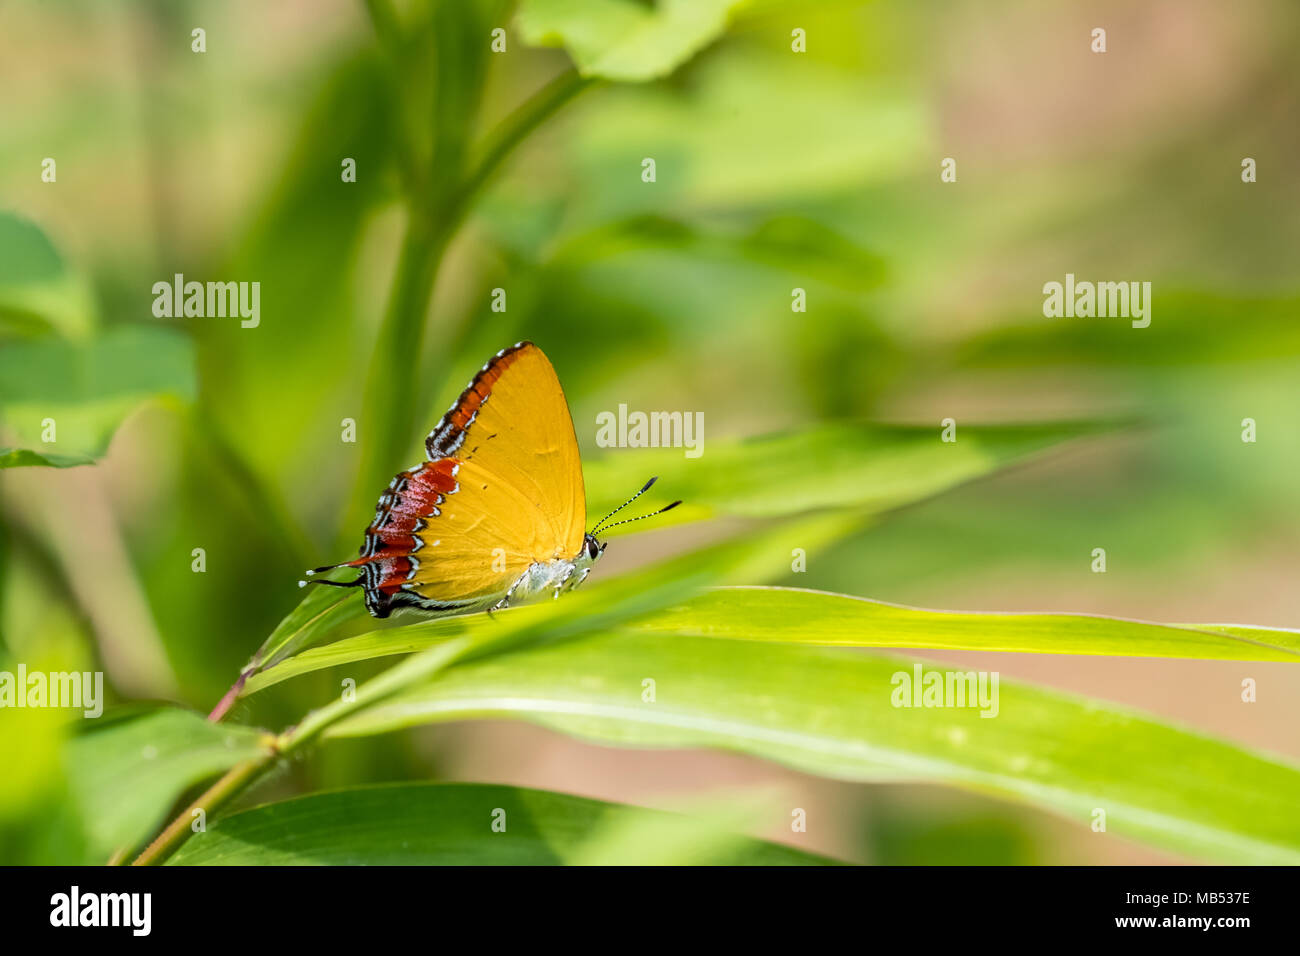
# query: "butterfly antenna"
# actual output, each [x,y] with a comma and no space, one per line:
[644,489]
[643,517]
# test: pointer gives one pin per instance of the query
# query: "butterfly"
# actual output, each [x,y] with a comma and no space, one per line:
[497,512]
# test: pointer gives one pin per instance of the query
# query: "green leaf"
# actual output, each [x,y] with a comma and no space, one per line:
[316,616]
[868,468]
[25,458]
[622,39]
[796,244]
[585,612]
[1263,326]
[26,254]
[596,606]
[723,146]
[39,295]
[126,776]
[797,616]
[447,823]
[86,389]
[830,712]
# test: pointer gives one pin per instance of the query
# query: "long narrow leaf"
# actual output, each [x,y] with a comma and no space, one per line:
[833,713]
[600,605]
[863,469]
[796,616]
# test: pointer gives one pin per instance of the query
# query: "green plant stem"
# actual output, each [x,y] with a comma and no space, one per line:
[241,776]
[226,788]
[516,127]
[390,412]
[232,695]
[388,31]
[281,645]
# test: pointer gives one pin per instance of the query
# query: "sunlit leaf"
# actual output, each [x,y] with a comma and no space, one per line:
[796,616]
[832,713]
[596,606]
[622,39]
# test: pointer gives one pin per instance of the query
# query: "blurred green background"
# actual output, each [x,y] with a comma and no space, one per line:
[774,171]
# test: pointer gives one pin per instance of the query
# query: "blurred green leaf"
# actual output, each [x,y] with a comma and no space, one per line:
[735,139]
[869,468]
[304,248]
[86,388]
[622,39]
[126,776]
[934,836]
[26,254]
[26,458]
[1187,330]
[797,616]
[39,295]
[448,823]
[705,831]
[23,323]
[795,244]
[830,712]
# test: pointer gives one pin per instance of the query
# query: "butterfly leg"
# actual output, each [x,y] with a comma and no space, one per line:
[505,601]
[563,584]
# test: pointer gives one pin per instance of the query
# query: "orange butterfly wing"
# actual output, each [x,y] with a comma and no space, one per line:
[502,489]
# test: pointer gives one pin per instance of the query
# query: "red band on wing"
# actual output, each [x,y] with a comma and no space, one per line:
[412,498]
[448,435]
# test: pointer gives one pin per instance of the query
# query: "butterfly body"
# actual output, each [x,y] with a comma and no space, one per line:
[555,576]
[496,514]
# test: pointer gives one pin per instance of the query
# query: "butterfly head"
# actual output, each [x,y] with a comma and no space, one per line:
[590,553]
